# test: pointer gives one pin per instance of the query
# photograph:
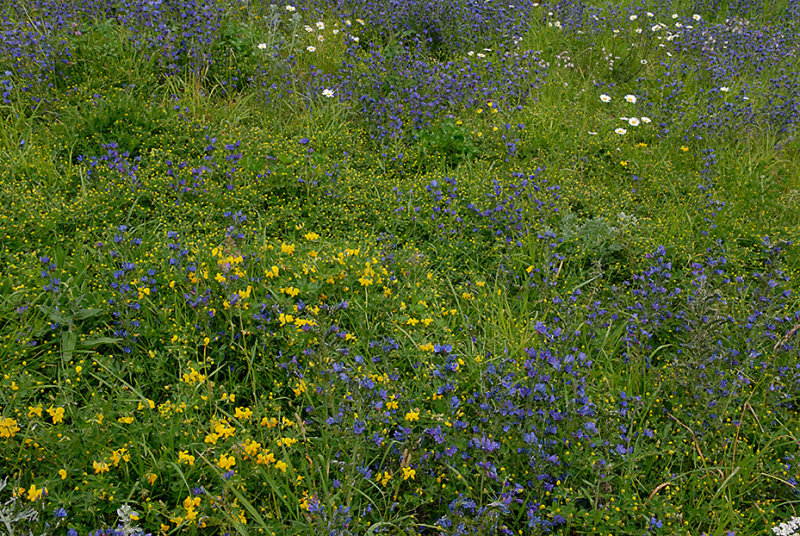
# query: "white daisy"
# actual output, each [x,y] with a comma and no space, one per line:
[320,25]
[633,121]
[605,98]
[620,131]
[631,98]
[311,48]
[289,8]
[724,89]
[262,46]
[696,16]
[327,92]
[646,120]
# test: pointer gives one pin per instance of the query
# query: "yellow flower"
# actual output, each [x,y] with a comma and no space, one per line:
[281,465]
[8,427]
[243,413]
[409,473]
[118,455]
[62,473]
[299,388]
[100,467]
[286,441]
[190,502]
[35,410]
[427,347]
[311,236]
[265,459]
[226,462]
[184,456]
[35,493]
[251,447]
[291,291]
[56,413]
[412,416]
[287,249]
[151,478]
[269,422]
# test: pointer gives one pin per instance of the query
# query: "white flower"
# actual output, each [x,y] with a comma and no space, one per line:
[605,98]
[335,31]
[327,92]
[262,46]
[289,8]
[623,118]
[633,17]
[354,38]
[650,14]
[633,121]
[724,89]
[481,55]
[320,25]
[646,120]
[361,22]
[320,38]
[643,61]
[674,15]
[311,49]
[347,22]
[471,53]
[631,98]
[309,29]
[591,133]
[620,131]
[696,16]
[655,28]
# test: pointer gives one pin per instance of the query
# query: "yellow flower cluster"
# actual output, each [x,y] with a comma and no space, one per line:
[192,377]
[8,427]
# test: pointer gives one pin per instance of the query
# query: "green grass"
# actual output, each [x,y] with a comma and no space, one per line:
[315,312]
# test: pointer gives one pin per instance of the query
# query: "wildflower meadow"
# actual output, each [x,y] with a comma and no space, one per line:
[403,267]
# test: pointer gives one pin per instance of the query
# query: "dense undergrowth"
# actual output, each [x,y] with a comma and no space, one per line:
[368,266]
